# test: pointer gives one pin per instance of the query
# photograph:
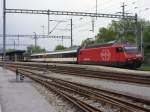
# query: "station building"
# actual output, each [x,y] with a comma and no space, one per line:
[15,55]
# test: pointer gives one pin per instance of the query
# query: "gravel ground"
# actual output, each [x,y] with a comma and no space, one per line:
[62,106]
[134,89]
[59,104]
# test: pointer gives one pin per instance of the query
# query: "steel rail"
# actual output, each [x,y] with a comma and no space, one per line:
[105,97]
[100,90]
[80,104]
[83,70]
[95,74]
[54,65]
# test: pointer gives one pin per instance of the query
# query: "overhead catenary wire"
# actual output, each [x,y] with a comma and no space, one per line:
[103,7]
[130,3]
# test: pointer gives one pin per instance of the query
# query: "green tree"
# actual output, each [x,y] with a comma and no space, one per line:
[114,31]
[87,42]
[32,49]
[125,30]
[9,50]
[146,39]
[105,35]
[59,47]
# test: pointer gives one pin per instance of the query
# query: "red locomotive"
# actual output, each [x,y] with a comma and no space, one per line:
[119,55]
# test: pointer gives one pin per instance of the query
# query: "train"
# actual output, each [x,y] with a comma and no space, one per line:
[115,55]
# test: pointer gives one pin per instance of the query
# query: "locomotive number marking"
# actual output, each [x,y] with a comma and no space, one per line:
[105,54]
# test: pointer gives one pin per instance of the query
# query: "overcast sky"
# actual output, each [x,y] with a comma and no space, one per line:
[27,24]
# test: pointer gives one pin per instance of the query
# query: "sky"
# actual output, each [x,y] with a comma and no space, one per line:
[27,24]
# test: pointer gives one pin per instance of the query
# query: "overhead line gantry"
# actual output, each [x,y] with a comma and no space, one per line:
[68,13]
[38,36]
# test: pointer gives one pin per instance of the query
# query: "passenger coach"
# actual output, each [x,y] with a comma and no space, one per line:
[69,56]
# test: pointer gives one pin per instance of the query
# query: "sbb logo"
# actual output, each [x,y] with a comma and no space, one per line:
[105,55]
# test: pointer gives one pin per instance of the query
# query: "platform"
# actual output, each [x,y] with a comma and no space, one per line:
[20,96]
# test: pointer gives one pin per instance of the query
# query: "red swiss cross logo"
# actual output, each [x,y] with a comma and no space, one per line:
[105,55]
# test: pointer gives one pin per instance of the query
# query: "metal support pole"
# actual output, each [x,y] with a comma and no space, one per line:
[14,45]
[35,38]
[18,40]
[62,40]
[123,15]
[93,25]
[4,32]
[136,28]
[96,8]
[48,22]
[142,39]
[71,34]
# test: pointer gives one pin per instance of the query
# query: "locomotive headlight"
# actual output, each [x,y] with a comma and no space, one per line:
[140,59]
[138,55]
[128,59]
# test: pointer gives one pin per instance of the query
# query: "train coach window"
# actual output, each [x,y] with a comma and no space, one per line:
[68,55]
[119,49]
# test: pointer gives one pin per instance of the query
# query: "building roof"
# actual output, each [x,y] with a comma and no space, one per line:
[14,52]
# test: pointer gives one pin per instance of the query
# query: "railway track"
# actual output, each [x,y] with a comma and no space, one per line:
[61,87]
[77,71]
[78,103]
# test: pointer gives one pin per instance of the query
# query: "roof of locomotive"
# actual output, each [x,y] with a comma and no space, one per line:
[109,45]
[97,45]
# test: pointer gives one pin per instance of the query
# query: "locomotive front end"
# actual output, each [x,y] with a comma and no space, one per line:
[134,58]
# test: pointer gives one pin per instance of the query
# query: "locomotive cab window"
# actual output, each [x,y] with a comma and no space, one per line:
[119,49]
[131,50]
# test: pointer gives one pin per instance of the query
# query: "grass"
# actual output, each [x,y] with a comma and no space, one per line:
[144,67]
